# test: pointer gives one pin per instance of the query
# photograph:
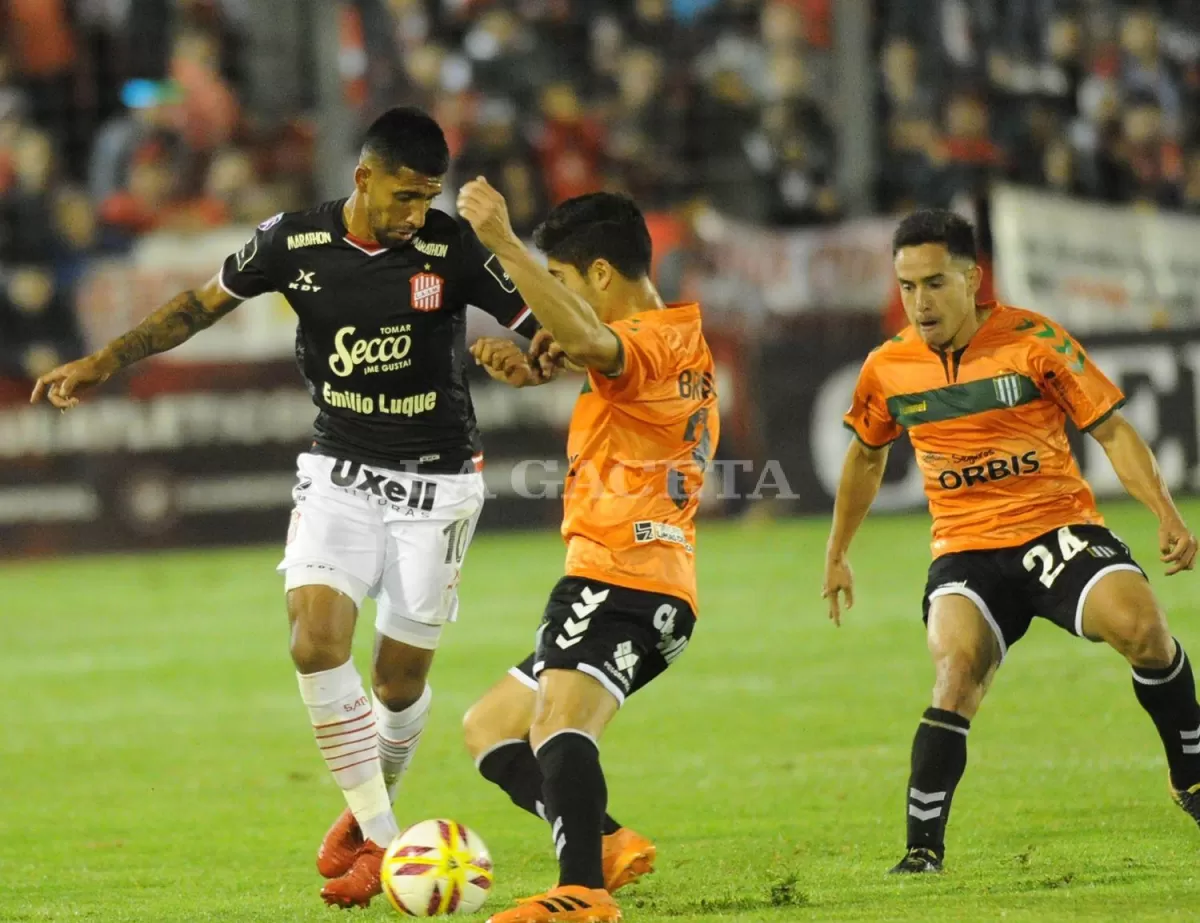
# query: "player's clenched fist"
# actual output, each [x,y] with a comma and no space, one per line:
[504,361]
[549,357]
[486,212]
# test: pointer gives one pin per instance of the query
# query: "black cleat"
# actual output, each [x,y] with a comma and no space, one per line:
[920,859]
[1188,800]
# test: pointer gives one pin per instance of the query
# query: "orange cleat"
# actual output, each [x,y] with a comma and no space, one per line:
[360,883]
[340,846]
[627,857]
[564,904]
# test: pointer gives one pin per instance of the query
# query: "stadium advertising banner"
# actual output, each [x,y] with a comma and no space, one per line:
[1096,268]
[843,268]
[802,413]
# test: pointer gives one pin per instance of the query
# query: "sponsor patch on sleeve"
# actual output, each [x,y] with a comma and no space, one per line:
[496,271]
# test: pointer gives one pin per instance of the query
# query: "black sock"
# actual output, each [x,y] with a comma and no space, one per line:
[939,757]
[1169,696]
[512,766]
[575,798]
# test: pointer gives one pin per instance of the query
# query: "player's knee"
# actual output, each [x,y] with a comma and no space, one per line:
[399,692]
[1144,640]
[322,628]
[960,683]
[479,733]
[315,649]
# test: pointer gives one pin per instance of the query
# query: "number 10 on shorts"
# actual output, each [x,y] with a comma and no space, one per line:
[458,534]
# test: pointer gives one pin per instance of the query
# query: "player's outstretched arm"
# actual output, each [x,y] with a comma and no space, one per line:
[862,473]
[569,319]
[172,324]
[1136,466]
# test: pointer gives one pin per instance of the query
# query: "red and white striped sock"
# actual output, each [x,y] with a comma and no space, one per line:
[399,732]
[344,727]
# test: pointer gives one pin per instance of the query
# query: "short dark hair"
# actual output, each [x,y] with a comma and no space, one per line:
[597,226]
[937,226]
[407,137]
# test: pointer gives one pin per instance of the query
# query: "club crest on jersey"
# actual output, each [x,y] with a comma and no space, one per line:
[1008,389]
[427,290]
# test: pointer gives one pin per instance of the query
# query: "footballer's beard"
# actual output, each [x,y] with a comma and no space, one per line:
[387,236]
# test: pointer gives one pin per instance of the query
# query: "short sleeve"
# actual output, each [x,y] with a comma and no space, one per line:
[245,274]
[1067,377]
[868,417]
[488,287]
[649,353]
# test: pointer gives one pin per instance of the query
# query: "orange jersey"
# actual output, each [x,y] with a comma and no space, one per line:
[638,448]
[988,425]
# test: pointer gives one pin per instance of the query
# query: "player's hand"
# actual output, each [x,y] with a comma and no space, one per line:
[1177,544]
[61,385]
[550,358]
[839,579]
[504,361]
[487,213]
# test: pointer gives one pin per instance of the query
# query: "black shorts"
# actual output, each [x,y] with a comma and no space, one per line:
[1049,576]
[622,637]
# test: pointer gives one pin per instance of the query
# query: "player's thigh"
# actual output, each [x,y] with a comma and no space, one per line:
[425,556]
[502,714]
[336,537]
[1085,580]
[971,620]
[621,637]
[1122,611]
[972,612]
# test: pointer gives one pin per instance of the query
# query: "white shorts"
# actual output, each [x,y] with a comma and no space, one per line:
[396,537]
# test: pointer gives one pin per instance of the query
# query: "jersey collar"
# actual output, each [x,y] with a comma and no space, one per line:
[370,248]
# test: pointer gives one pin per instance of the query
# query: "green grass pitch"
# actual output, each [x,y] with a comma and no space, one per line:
[156,763]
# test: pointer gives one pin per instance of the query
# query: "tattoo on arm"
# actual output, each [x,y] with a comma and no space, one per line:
[166,328]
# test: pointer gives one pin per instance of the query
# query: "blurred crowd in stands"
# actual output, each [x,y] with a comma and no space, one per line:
[121,117]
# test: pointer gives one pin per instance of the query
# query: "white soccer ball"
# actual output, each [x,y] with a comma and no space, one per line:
[437,867]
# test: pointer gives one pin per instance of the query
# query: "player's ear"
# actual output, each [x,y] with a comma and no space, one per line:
[974,279]
[361,174]
[600,274]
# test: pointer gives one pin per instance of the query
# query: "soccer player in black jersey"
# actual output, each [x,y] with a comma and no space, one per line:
[387,497]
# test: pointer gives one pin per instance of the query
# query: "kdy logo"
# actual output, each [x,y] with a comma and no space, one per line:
[304,283]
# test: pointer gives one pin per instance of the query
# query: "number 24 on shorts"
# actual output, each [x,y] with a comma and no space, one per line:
[1069,545]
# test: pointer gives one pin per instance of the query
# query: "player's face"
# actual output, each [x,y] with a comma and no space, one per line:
[397,202]
[938,291]
[591,287]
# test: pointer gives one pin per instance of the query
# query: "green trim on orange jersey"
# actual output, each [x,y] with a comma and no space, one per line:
[963,399]
[1103,418]
[869,445]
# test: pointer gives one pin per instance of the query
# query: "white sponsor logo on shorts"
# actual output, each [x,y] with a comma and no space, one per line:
[414,496]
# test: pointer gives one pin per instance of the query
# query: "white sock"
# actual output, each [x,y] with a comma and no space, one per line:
[344,727]
[399,732]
